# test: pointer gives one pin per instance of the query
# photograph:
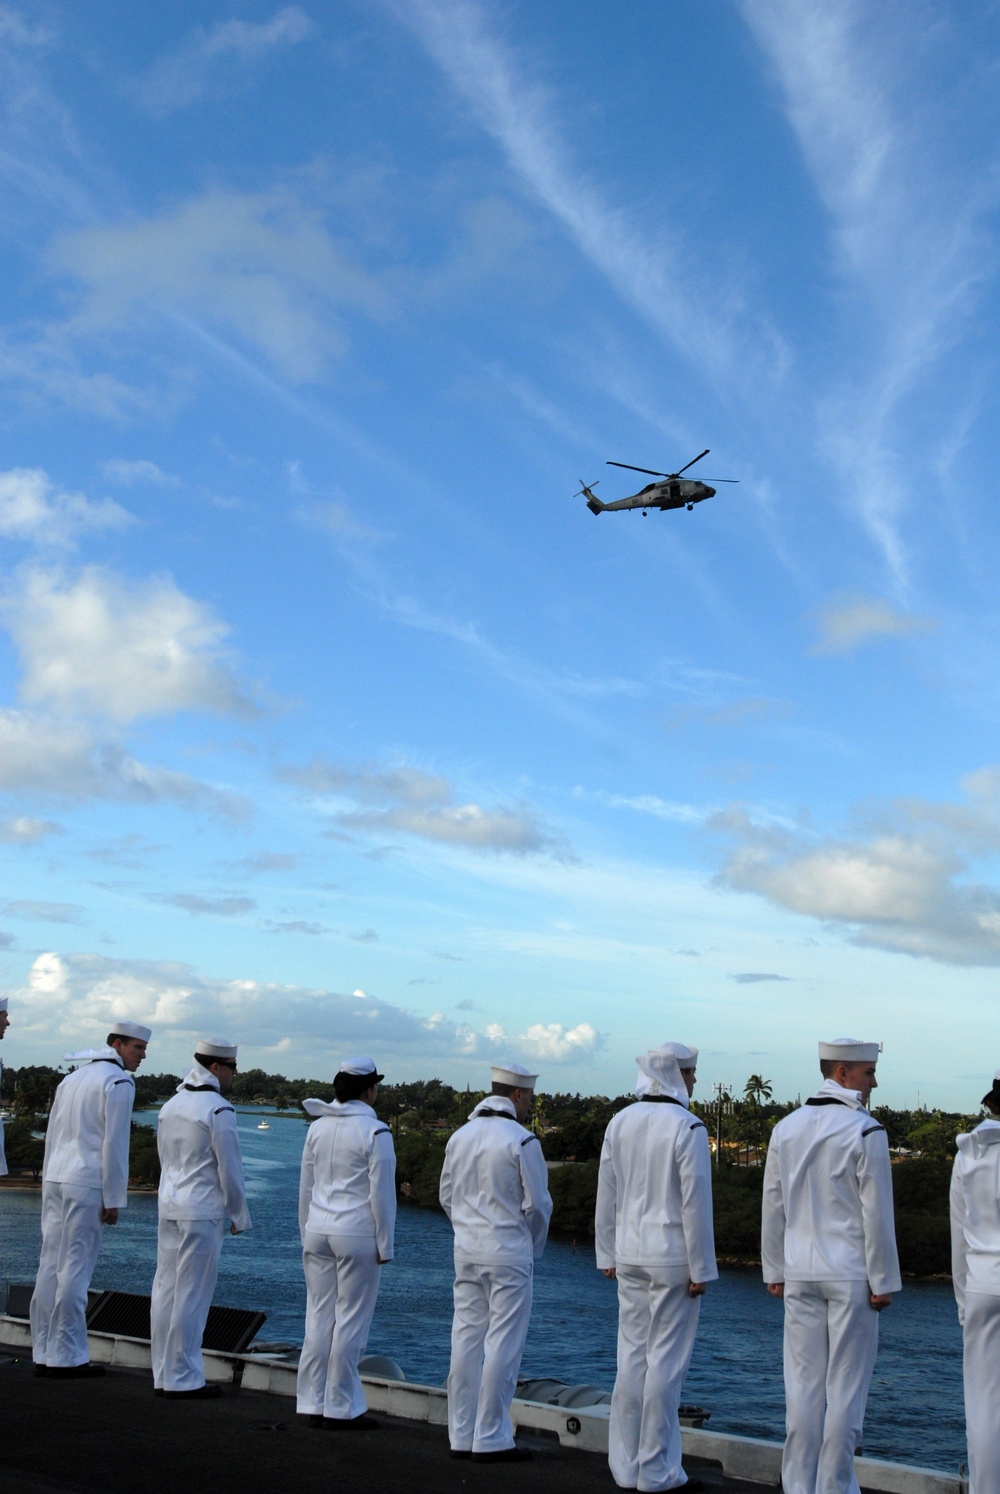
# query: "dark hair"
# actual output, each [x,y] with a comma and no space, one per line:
[827,1066]
[352,1086]
[508,1089]
[206,1060]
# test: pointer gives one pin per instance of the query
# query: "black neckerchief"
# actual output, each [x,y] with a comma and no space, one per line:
[117,1062]
[199,1089]
[826,1100]
[661,1100]
[500,1114]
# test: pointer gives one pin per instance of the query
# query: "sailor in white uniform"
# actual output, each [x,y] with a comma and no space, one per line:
[975,1269]
[201,1186]
[84,1187]
[347,1218]
[654,1233]
[4,1024]
[828,1247]
[494,1189]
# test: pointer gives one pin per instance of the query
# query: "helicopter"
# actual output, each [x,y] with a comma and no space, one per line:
[672,492]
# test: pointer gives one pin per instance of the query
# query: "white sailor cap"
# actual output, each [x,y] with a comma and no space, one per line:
[687,1058]
[216,1047]
[361,1066]
[130,1030]
[515,1075]
[849,1050]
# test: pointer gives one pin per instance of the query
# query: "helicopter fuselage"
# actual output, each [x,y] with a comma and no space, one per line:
[674,492]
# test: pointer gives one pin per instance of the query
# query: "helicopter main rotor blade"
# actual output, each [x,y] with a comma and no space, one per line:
[648,470]
[692,462]
[719,479]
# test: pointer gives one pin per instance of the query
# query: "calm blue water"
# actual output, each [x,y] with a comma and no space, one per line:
[914,1411]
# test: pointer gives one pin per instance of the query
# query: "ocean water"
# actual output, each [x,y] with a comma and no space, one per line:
[915,1410]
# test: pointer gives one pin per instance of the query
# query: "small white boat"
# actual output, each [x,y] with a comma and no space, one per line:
[264,1126]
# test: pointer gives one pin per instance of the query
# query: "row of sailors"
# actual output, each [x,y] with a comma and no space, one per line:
[828,1248]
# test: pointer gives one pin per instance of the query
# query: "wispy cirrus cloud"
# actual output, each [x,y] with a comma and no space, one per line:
[212,61]
[847,621]
[658,278]
[908,221]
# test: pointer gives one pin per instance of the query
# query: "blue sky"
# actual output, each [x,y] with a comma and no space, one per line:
[330,718]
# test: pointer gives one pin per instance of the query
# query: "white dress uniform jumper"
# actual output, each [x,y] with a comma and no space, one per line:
[827,1233]
[975,1266]
[347,1217]
[85,1171]
[201,1186]
[654,1226]
[494,1189]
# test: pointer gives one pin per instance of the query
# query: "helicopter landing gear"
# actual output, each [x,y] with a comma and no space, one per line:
[690,507]
[644,513]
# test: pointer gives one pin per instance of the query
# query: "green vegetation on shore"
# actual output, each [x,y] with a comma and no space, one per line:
[423,1115]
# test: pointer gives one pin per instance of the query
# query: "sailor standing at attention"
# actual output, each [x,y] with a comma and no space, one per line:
[4,1024]
[201,1186]
[828,1247]
[84,1186]
[494,1189]
[654,1233]
[975,1270]
[347,1218]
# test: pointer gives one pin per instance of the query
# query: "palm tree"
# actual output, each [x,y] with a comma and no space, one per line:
[755,1091]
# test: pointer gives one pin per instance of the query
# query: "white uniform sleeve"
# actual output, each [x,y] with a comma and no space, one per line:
[959,1246]
[229,1160]
[382,1185]
[875,1186]
[772,1220]
[606,1215]
[306,1176]
[444,1187]
[119,1098]
[694,1169]
[537,1206]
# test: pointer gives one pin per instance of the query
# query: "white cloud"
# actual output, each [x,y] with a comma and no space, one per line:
[417,803]
[52,757]
[129,473]
[72,999]
[33,508]
[215,907]
[261,265]
[845,622]
[25,831]
[215,60]
[119,649]
[904,883]
[44,912]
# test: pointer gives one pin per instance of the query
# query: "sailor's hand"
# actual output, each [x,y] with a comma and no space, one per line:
[383,1260]
[696,1289]
[109,1216]
[776,1288]
[233,1230]
[609,1272]
[880,1300]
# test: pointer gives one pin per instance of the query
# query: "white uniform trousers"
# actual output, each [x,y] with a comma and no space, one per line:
[187,1264]
[342,1280]
[831,1337]
[982,1391]
[492,1311]
[71,1243]
[657,1323]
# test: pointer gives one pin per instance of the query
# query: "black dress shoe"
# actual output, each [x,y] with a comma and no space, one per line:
[363,1423]
[459,1452]
[203,1393]
[41,1370]
[158,1390]
[505,1455]
[74,1371]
